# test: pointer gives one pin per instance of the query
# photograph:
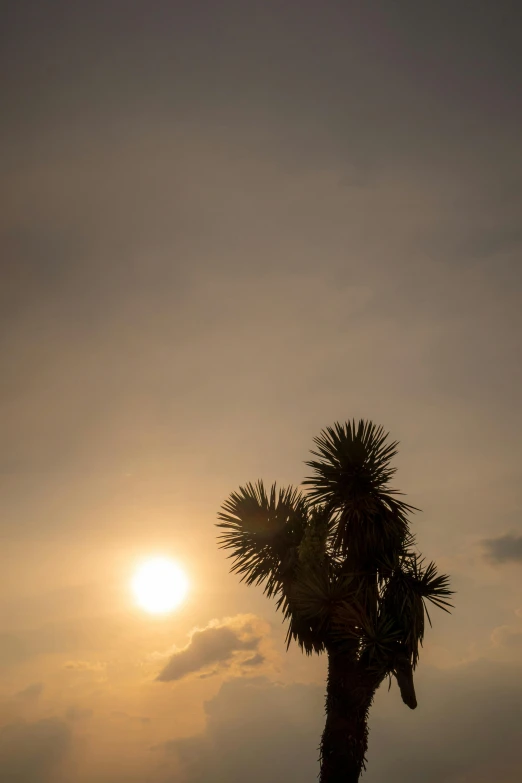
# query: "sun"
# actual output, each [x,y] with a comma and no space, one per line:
[159,585]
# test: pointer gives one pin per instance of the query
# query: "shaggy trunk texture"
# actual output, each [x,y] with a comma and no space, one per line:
[349,695]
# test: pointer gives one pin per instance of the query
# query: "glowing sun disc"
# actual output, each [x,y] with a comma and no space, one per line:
[159,585]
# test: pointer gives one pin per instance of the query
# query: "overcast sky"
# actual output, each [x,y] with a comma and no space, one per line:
[226,225]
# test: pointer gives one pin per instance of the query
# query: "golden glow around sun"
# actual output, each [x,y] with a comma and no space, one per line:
[159,585]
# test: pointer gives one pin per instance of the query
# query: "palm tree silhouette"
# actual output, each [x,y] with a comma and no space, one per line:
[340,563]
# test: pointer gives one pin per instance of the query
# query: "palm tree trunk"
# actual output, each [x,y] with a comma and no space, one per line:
[349,695]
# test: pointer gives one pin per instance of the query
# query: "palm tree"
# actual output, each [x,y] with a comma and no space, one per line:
[340,561]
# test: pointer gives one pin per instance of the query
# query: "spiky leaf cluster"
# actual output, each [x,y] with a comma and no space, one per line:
[263,530]
[351,477]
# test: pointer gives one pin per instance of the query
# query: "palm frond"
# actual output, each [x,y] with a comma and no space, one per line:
[350,460]
[317,592]
[351,478]
[405,594]
[431,585]
[379,640]
[377,637]
[263,530]
[303,631]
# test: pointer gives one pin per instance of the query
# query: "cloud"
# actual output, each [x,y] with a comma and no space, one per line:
[75,713]
[31,693]
[256,731]
[30,752]
[507,636]
[255,660]
[466,728]
[119,714]
[504,549]
[218,644]
[85,666]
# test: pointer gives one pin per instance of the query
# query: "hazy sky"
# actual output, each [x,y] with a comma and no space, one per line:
[226,225]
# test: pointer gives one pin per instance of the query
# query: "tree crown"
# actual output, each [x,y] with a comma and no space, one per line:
[339,557]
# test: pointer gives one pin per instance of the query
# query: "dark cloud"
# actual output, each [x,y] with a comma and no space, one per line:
[31,693]
[143,719]
[215,644]
[255,660]
[504,549]
[75,713]
[30,752]
[466,728]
